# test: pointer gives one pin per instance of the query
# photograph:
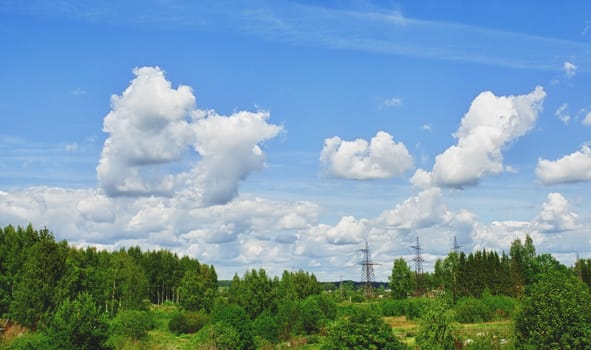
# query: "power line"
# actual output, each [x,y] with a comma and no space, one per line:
[367,273]
[456,247]
[418,259]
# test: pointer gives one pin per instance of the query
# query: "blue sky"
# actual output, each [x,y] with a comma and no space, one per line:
[284,134]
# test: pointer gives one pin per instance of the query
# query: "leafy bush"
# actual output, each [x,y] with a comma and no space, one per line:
[501,306]
[187,323]
[437,330]
[472,310]
[556,314]
[364,329]
[32,341]
[129,324]
[266,327]
[233,317]
[393,307]
[311,315]
[221,336]
[78,324]
[416,307]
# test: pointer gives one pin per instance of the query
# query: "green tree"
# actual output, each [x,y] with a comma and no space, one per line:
[364,329]
[555,314]
[198,289]
[232,317]
[311,315]
[401,279]
[437,329]
[266,327]
[129,325]
[35,294]
[78,324]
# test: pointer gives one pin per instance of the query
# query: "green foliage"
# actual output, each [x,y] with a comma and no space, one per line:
[311,315]
[186,323]
[437,330]
[220,336]
[288,318]
[555,314]
[393,307]
[233,317]
[364,329]
[472,310]
[78,324]
[198,289]
[265,326]
[36,289]
[129,324]
[501,306]
[401,280]
[32,341]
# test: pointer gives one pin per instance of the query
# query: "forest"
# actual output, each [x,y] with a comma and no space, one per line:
[56,296]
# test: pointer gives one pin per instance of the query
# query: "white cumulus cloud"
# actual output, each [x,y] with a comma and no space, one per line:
[380,158]
[556,215]
[152,125]
[574,167]
[490,126]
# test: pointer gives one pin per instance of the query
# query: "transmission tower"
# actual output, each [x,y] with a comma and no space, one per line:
[456,248]
[579,267]
[418,259]
[367,274]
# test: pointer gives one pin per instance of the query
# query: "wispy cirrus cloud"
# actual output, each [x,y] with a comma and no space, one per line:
[368,30]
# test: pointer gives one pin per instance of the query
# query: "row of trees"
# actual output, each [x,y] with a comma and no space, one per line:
[38,274]
[470,275]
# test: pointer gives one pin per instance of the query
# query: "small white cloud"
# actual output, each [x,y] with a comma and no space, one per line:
[78,92]
[587,119]
[426,127]
[562,113]
[71,147]
[574,167]
[392,102]
[569,69]
[381,158]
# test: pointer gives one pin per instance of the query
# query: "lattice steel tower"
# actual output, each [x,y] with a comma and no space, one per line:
[456,248]
[418,259]
[367,274]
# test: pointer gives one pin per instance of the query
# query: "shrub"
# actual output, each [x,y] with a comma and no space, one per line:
[364,329]
[78,324]
[311,315]
[556,314]
[233,317]
[221,336]
[30,341]
[187,323]
[393,307]
[129,324]
[437,330]
[501,306]
[472,310]
[265,326]
[416,307]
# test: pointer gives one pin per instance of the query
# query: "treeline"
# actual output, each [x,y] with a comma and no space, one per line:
[471,275]
[89,298]
[38,274]
[73,298]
